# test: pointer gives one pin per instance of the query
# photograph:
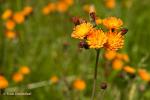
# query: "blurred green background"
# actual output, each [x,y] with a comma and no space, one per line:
[42,41]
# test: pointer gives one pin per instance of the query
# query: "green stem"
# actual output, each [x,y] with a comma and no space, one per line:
[95,74]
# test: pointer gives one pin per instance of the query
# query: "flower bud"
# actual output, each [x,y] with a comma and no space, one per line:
[103,85]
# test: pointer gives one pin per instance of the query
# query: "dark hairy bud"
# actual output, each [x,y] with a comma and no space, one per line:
[77,20]
[103,85]
[83,44]
[124,31]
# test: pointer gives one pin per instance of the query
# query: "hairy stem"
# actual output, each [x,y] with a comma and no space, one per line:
[95,75]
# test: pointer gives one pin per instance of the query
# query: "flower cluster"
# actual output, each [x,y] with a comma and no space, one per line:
[93,36]
[19,75]
[60,6]
[12,18]
[119,62]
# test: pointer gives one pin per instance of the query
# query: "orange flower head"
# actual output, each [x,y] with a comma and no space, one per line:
[69,2]
[62,7]
[80,31]
[3,82]
[144,75]
[24,70]
[79,84]
[117,64]
[46,10]
[89,8]
[18,77]
[10,34]
[54,79]
[96,38]
[112,22]
[129,70]
[115,41]
[125,57]
[7,14]
[52,7]
[10,24]
[110,4]
[98,21]
[19,18]
[110,55]
[27,10]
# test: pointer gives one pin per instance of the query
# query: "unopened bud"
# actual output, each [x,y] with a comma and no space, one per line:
[103,85]
[124,31]
[83,44]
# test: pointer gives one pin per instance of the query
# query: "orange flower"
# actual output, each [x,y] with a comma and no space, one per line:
[129,69]
[110,4]
[54,79]
[3,82]
[27,10]
[46,10]
[115,41]
[52,7]
[10,34]
[80,31]
[69,2]
[89,8]
[110,55]
[18,17]
[144,75]
[18,77]
[117,64]
[61,7]
[98,21]
[96,38]
[125,57]
[79,84]
[10,24]
[112,23]
[24,70]
[7,14]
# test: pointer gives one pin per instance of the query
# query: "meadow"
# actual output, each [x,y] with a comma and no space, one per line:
[40,59]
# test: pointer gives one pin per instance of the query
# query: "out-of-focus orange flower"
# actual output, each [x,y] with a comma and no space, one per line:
[112,22]
[61,6]
[52,7]
[3,82]
[10,34]
[144,75]
[115,41]
[96,38]
[110,4]
[89,8]
[125,57]
[110,55]
[19,18]
[54,79]
[24,70]
[18,77]
[69,2]
[46,10]
[98,21]
[7,14]
[129,69]
[117,64]
[80,31]
[10,24]
[79,84]
[27,10]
